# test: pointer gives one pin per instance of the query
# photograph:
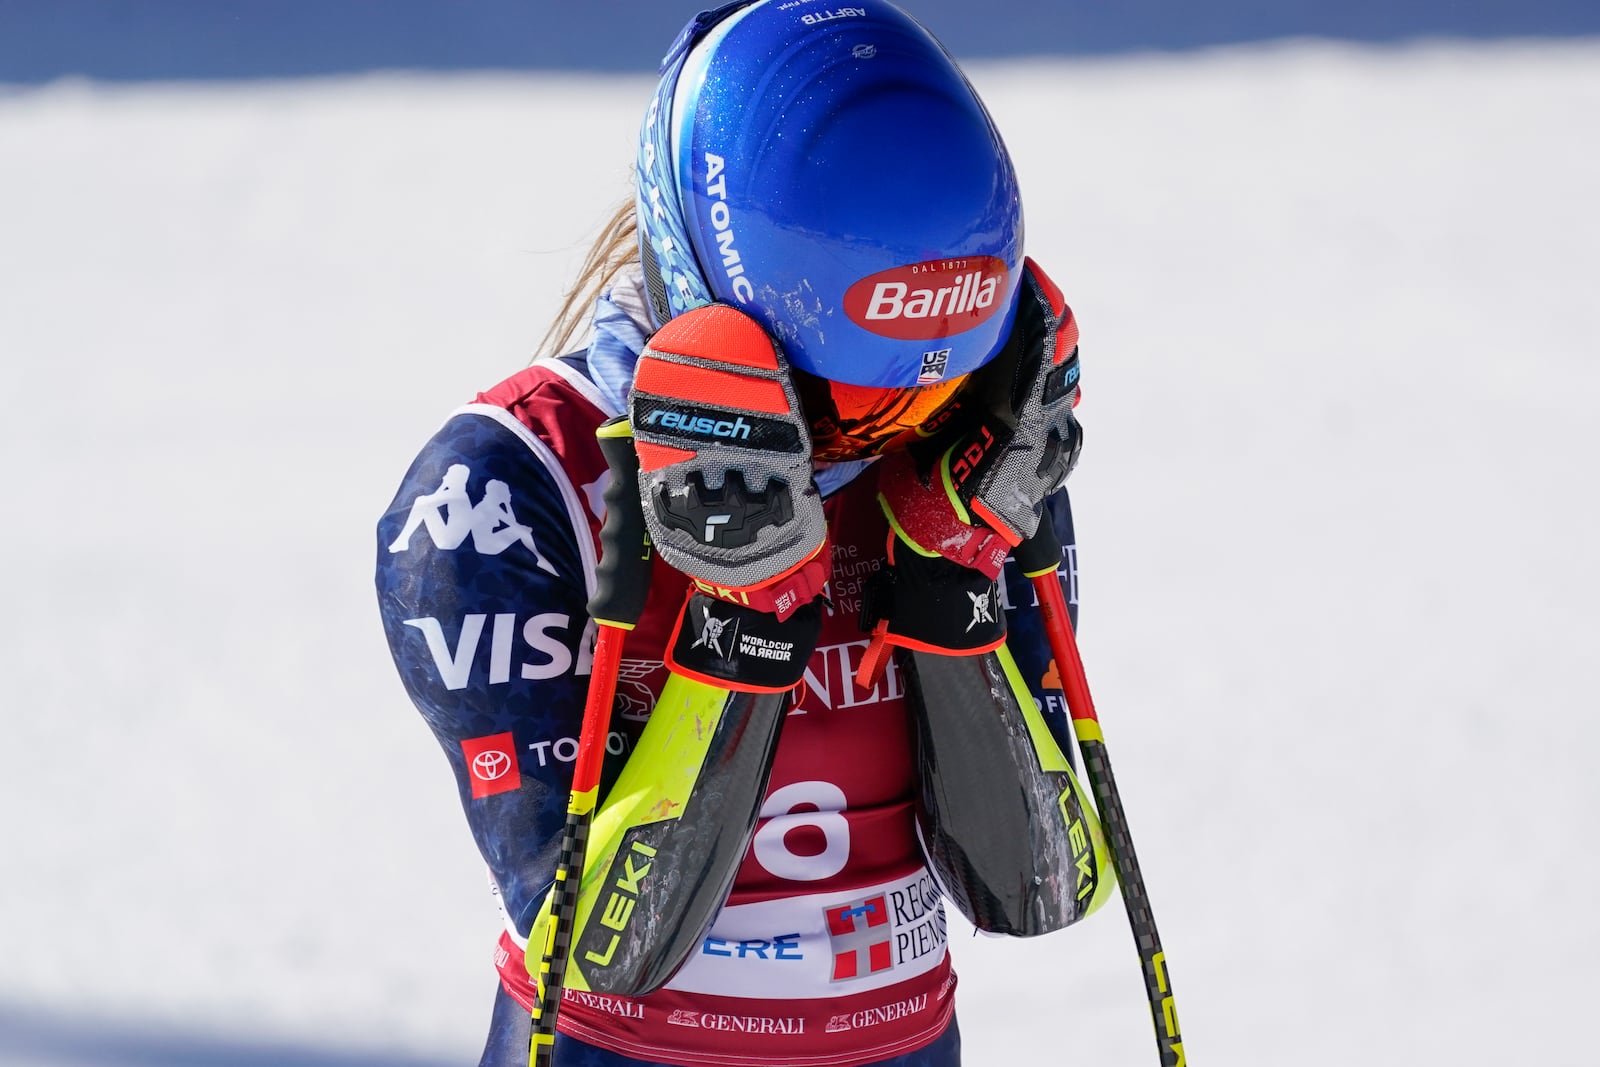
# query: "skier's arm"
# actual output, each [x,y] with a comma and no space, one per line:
[490,640]
[727,496]
[1006,827]
[958,505]
[1003,820]
[709,370]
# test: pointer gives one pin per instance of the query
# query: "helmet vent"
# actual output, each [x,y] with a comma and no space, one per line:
[653,284]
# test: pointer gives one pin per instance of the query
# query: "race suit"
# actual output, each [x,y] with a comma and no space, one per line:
[830,949]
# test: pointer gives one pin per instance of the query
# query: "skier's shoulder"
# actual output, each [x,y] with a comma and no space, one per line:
[511,479]
[557,402]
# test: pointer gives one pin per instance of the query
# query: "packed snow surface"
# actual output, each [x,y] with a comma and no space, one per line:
[1337,525]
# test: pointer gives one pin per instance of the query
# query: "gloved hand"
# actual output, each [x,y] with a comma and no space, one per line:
[957,505]
[729,500]
[1023,443]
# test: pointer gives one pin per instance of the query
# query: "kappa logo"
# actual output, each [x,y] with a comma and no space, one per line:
[451,518]
[861,936]
[982,607]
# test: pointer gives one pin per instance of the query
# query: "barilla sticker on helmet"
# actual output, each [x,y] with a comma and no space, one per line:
[722,223]
[922,301]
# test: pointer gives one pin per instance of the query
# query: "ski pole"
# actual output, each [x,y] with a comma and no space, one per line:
[1039,557]
[622,582]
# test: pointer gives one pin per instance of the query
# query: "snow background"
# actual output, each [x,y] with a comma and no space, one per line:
[1337,521]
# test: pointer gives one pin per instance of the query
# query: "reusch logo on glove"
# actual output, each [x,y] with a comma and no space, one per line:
[656,419]
[922,301]
[700,424]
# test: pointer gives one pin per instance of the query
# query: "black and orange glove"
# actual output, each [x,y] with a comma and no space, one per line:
[729,500]
[957,505]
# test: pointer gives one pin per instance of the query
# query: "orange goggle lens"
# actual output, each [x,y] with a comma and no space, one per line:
[856,421]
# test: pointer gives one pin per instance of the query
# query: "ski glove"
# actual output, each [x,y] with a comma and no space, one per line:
[996,473]
[729,500]
[958,505]
[927,603]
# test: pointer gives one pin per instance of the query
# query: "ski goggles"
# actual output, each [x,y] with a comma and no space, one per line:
[858,421]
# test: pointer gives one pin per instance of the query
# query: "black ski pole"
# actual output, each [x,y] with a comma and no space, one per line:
[1039,558]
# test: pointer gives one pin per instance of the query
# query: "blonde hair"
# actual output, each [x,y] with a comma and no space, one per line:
[614,249]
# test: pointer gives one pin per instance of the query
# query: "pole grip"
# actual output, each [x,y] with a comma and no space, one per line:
[1040,553]
[622,583]
[622,577]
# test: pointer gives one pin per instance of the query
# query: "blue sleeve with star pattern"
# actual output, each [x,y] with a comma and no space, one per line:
[482,579]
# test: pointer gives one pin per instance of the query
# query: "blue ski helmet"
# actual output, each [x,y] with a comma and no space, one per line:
[831,171]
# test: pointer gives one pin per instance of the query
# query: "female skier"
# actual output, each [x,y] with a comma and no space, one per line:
[851,397]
